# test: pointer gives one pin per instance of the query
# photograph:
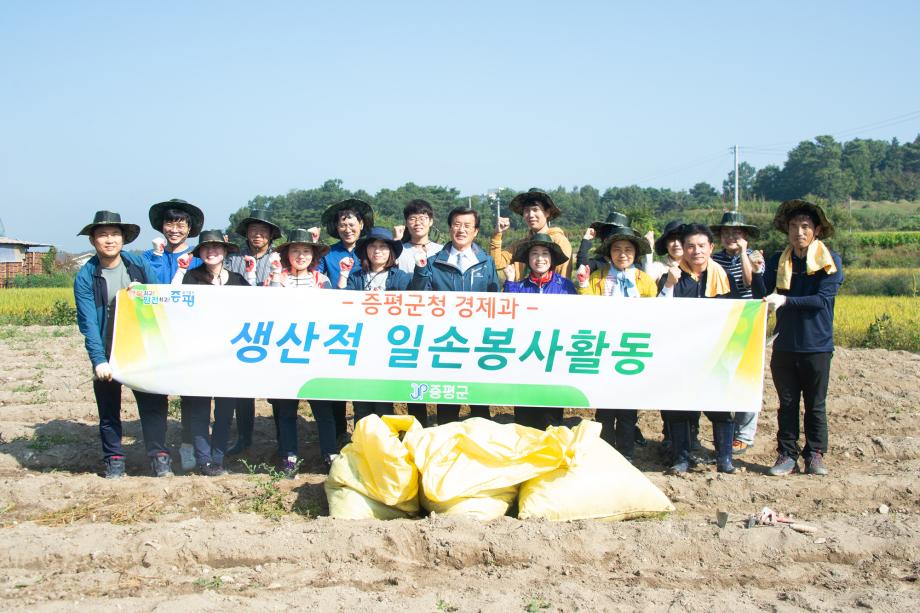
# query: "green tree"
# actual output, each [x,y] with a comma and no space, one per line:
[746,174]
[704,194]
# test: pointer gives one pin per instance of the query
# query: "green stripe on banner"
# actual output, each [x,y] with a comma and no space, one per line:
[505,394]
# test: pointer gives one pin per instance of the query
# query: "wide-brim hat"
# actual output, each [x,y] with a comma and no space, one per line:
[672,228]
[363,209]
[734,219]
[791,208]
[196,216]
[301,237]
[258,216]
[624,234]
[535,196]
[522,252]
[214,237]
[378,234]
[129,231]
[614,220]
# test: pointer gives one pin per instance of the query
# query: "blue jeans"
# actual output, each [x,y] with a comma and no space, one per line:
[209,449]
[152,409]
[746,427]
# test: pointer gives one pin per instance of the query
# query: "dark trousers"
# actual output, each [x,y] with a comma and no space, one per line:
[419,411]
[618,427]
[338,409]
[451,412]
[185,420]
[801,377]
[152,409]
[537,417]
[363,408]
[210,443]
[324,412]
[680,427]
[284,412]
[245,418]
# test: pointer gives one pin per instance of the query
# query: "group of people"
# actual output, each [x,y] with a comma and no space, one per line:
[613,260]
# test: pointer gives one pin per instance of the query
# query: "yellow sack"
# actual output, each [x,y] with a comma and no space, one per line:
[598,483]
[479,458]
[488,504]
[345,503]
[376,465]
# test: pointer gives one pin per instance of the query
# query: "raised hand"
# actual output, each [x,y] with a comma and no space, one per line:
[421,259]
[589,234]
[650,237]
[274,260]
[398,232]
[503,224]
[345,265]
[250,263]
[314,233]
[673,275]
[159,245]
[509,272]
[184,260]
[582,274]
[742,242]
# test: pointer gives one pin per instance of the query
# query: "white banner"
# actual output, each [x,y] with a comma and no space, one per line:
[465,348]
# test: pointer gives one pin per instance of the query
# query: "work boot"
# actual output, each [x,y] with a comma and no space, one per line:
[161,465]
[784,465]
[115,467]
[723,433]
[814,464]
[680,447]
[212,469]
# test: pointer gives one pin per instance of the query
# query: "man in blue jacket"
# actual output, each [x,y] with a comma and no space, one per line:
[95,288]
[461,266]
[801,283]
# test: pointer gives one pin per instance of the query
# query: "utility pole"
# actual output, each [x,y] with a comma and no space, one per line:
[736,177]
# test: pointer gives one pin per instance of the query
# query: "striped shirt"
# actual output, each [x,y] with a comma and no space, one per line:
[263,266]
[732,266]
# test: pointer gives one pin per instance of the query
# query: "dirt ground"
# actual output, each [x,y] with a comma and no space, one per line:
[246,541]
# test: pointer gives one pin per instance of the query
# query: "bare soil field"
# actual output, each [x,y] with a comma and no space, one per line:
[247,541]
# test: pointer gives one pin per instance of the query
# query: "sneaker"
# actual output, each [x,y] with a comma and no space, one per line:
[115,467]
[161,464]
[739,447]
[187,455]
[289,466]
[212,470]
[678,469]
[814,464]
[784,465]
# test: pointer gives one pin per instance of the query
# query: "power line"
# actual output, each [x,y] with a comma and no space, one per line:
[678,169]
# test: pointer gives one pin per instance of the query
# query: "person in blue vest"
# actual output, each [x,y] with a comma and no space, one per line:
[461,266]
[347,221]
[541,257]
[95,287]
[178,221]
[801,283]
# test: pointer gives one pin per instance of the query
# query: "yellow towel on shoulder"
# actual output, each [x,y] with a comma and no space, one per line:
[716,279]
[817,257]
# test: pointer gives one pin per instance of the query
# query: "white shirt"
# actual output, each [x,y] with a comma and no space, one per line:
[462,259]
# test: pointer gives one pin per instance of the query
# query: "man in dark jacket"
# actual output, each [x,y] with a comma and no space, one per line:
[461,266]
[95,288]
[801,283]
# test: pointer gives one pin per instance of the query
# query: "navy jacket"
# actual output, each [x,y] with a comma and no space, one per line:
[441,276]
[557,285]
[397,280]
[805,324]
[89,291]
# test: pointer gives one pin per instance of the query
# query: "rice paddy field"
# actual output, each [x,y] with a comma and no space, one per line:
[885,322]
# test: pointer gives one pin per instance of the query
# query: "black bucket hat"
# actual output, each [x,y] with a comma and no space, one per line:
[734,219]
[214,237]
[538,196]
[129,231]
[615,220]
[791,208]
[258,216]
[302,237]
[671,229]
[624,234]
[522,253]
[196,216]
[363,209]
[378,234]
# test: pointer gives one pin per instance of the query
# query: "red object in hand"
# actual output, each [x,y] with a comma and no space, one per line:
[250,263]
[184,260]
[275,261]
[583,273]
[159,245]
[346,264]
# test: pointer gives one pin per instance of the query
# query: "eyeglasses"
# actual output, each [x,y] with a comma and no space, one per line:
[417,218]
[176,225]
[462,226]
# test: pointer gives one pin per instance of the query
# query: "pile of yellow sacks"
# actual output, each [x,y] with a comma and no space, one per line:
[393,468]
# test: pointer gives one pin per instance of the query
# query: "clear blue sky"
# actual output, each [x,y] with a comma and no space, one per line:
[118,105]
